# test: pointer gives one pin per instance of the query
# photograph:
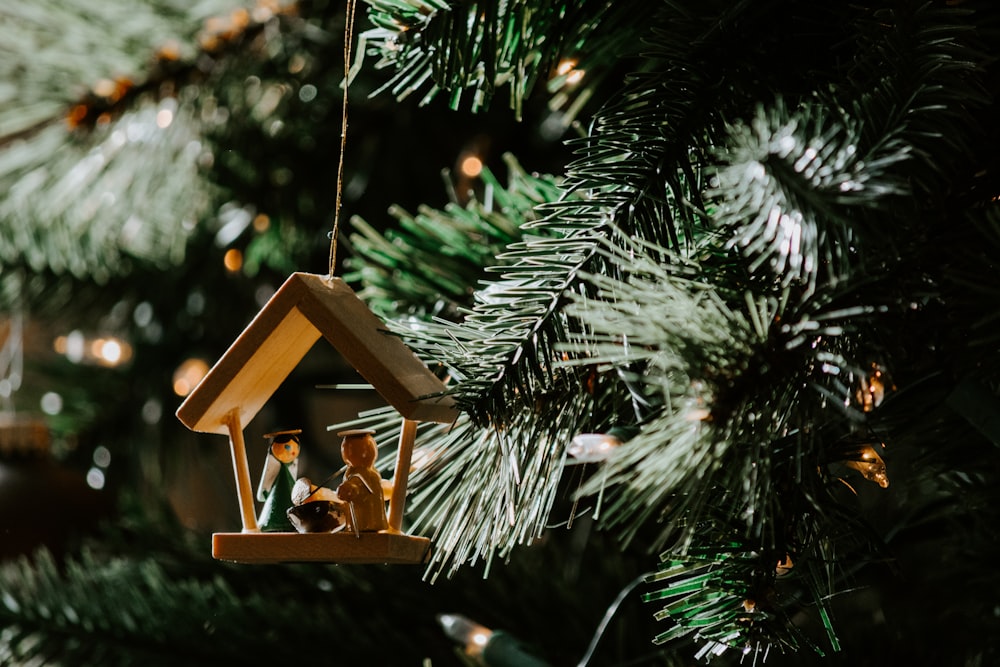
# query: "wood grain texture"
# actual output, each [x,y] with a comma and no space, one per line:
[401,476]
[304,309]
[342,547]
[241,471]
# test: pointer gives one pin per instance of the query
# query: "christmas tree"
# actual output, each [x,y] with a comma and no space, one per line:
[709,283]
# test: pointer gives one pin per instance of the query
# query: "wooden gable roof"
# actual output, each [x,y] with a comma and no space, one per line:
[306,307]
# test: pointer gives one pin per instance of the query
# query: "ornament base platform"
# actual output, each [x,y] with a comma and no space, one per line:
[341,547]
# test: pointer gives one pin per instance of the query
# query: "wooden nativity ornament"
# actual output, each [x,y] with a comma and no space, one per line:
[305,308]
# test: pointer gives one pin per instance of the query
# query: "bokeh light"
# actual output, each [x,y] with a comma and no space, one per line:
[188,375]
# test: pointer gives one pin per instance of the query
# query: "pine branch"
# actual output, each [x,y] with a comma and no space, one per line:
[475,519]
[615,183]
[755,406]
[501,356]
[765,575]
[428,264]
[148,593]
[641,163]
[726,597]
[918,77]
[115,173]
[42,66]
[471,47]
[501,363]
[65,206]
[532,287]
[76,203]
[789,189]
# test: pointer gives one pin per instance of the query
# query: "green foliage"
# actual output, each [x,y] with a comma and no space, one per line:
[767,201]
[789,192]
[74,200]
[431,262]
[52,52]
[502,355]
[65,213]
[470,47]
[277,249]
[707,593]
[476,519]
[82,196]
[154,609]
[148,592]
[738,242]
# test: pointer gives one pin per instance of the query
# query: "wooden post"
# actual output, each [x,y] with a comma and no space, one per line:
[241,470]
[407,435]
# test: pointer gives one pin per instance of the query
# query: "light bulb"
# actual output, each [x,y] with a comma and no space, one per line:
[870,465]
[466,632]
[872,388]
[593,447]
[784,566]
[233,260]
[471,166]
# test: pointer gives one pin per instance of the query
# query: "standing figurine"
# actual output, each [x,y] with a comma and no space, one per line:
[362,488]
[277,480]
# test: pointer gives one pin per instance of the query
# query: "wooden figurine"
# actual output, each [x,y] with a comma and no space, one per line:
[362,485]
[306,308]
[316,509]
[277,480]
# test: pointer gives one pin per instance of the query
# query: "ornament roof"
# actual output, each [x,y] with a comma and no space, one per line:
[305,308]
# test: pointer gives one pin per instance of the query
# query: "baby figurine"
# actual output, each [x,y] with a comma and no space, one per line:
[317,509]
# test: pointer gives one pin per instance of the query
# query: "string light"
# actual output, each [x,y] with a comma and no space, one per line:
[104,351]
[261,223]
[568,71]
[112,90]
[492,648]
[233,260]
[466,632]
[872,388]
[164,117]
[784,566]
[471,166]
[593,447]
[870,465]
[169,51]
[51,403]
[565,67]
[109,351]
[219,30]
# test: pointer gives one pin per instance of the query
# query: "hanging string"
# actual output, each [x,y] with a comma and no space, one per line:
[348,41]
